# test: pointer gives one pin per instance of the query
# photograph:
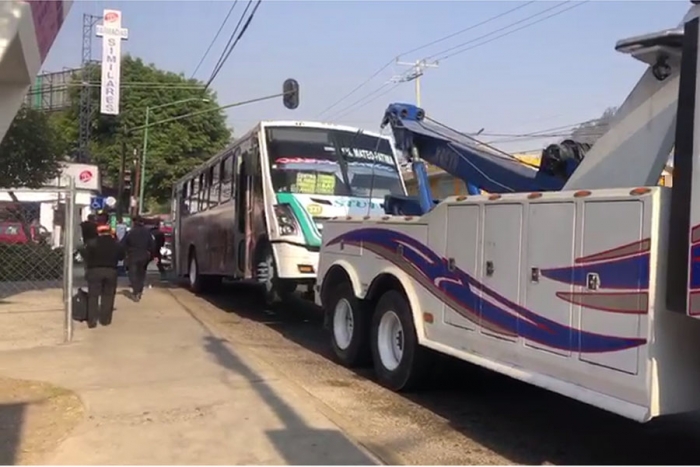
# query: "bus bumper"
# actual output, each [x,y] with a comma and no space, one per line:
[295,262]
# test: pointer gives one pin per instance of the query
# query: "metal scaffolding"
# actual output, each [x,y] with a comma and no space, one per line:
[85,115]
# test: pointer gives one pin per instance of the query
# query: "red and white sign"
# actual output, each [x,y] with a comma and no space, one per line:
[85,176]
[111,16]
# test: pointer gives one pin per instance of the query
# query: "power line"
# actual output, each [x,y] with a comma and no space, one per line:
[449,36]
[348,110]
[213,41]
[358,87]
[240,35]
[232,36]
[497,37]
[557,13]
[469,28]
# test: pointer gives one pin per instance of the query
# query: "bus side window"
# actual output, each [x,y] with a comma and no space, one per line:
[194,196]
[215,186]
[201,193]
[226,174]
[212,186]
[184,201]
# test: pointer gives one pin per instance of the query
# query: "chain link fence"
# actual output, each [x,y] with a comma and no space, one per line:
[39,231]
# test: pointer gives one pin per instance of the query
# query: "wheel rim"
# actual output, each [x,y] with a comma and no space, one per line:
[193,271]
[343,323]
[390,340]
[266,271]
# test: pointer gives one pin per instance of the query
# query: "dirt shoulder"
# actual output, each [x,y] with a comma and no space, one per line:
[34,418]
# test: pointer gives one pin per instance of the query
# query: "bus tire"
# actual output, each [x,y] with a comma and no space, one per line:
[349,324]
[274,289]
[194,278]
[400,363]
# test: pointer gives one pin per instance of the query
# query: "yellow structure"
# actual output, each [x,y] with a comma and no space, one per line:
[443,185]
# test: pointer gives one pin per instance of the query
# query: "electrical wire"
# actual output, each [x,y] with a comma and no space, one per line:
[557,13]
[449,36]
[232,36]
[461,50]
[216,36]
[357,88]
[240,35]
[469,28]
[371,96]
[494,38]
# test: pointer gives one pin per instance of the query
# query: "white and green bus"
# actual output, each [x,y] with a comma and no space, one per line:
[255,211]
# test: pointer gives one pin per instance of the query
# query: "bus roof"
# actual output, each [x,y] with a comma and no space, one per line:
[325,125]
[278,123]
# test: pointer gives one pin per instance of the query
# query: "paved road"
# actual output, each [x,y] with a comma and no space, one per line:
[466,416]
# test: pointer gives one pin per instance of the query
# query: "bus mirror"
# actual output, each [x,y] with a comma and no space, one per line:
[291,94]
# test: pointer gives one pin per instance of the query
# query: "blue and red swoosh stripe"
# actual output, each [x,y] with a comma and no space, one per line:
[475,301]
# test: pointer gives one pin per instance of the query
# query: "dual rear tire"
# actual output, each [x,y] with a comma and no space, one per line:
[383,335]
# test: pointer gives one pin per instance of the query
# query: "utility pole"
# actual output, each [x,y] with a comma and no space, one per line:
[136,171]
[414,74]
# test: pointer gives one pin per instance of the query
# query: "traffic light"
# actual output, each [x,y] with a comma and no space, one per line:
[290,88]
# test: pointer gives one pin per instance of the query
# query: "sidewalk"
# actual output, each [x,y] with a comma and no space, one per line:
[158,388]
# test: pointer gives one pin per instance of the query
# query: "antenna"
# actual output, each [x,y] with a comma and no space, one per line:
[414,73]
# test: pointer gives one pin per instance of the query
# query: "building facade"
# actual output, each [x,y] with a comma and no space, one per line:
[28,31]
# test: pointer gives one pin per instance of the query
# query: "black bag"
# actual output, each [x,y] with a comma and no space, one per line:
[80,305]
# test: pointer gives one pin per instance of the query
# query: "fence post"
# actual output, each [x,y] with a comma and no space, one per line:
[69,235]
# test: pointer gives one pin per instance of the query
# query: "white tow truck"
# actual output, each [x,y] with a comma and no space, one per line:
[581,277]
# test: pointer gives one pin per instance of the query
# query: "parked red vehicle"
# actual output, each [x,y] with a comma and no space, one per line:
[13,233]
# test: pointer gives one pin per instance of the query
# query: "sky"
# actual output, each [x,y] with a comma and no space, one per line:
[557,72]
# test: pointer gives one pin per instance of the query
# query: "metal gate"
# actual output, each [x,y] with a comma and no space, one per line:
[38,231]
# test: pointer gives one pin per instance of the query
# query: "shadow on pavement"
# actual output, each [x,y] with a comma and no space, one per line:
[521,422]
[298,443]
[11,420]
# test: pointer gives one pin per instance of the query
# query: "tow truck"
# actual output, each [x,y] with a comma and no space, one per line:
[580,276]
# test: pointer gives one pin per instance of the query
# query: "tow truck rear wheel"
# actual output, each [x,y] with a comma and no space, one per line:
[349,326]
[400,363]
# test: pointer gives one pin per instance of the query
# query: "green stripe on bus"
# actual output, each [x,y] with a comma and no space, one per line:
[306,222]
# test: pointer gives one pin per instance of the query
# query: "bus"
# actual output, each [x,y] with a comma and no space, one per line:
[255,212]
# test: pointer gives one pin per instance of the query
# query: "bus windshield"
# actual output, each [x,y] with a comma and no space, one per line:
[319,161]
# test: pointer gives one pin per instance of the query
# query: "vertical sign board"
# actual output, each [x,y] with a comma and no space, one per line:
[112,34]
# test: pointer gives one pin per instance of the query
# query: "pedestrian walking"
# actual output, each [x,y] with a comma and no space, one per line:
[120,228]
[88,230]
[102,254]
[139,244]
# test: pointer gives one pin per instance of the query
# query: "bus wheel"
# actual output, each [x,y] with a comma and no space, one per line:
[194,278]
[399,361]
[349,326]
[274,289]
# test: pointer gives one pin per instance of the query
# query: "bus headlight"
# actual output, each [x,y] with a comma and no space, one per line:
[285,219]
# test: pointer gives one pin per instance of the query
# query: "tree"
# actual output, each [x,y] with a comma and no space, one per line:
[173,148]
[590,131]
[31,152]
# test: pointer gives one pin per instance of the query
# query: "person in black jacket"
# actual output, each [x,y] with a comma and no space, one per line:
[88,228]
[102,254]
[139,245]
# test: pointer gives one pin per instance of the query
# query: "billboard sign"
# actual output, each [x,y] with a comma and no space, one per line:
[112,34]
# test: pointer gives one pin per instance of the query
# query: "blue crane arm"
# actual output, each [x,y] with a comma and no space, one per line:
[461,157]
